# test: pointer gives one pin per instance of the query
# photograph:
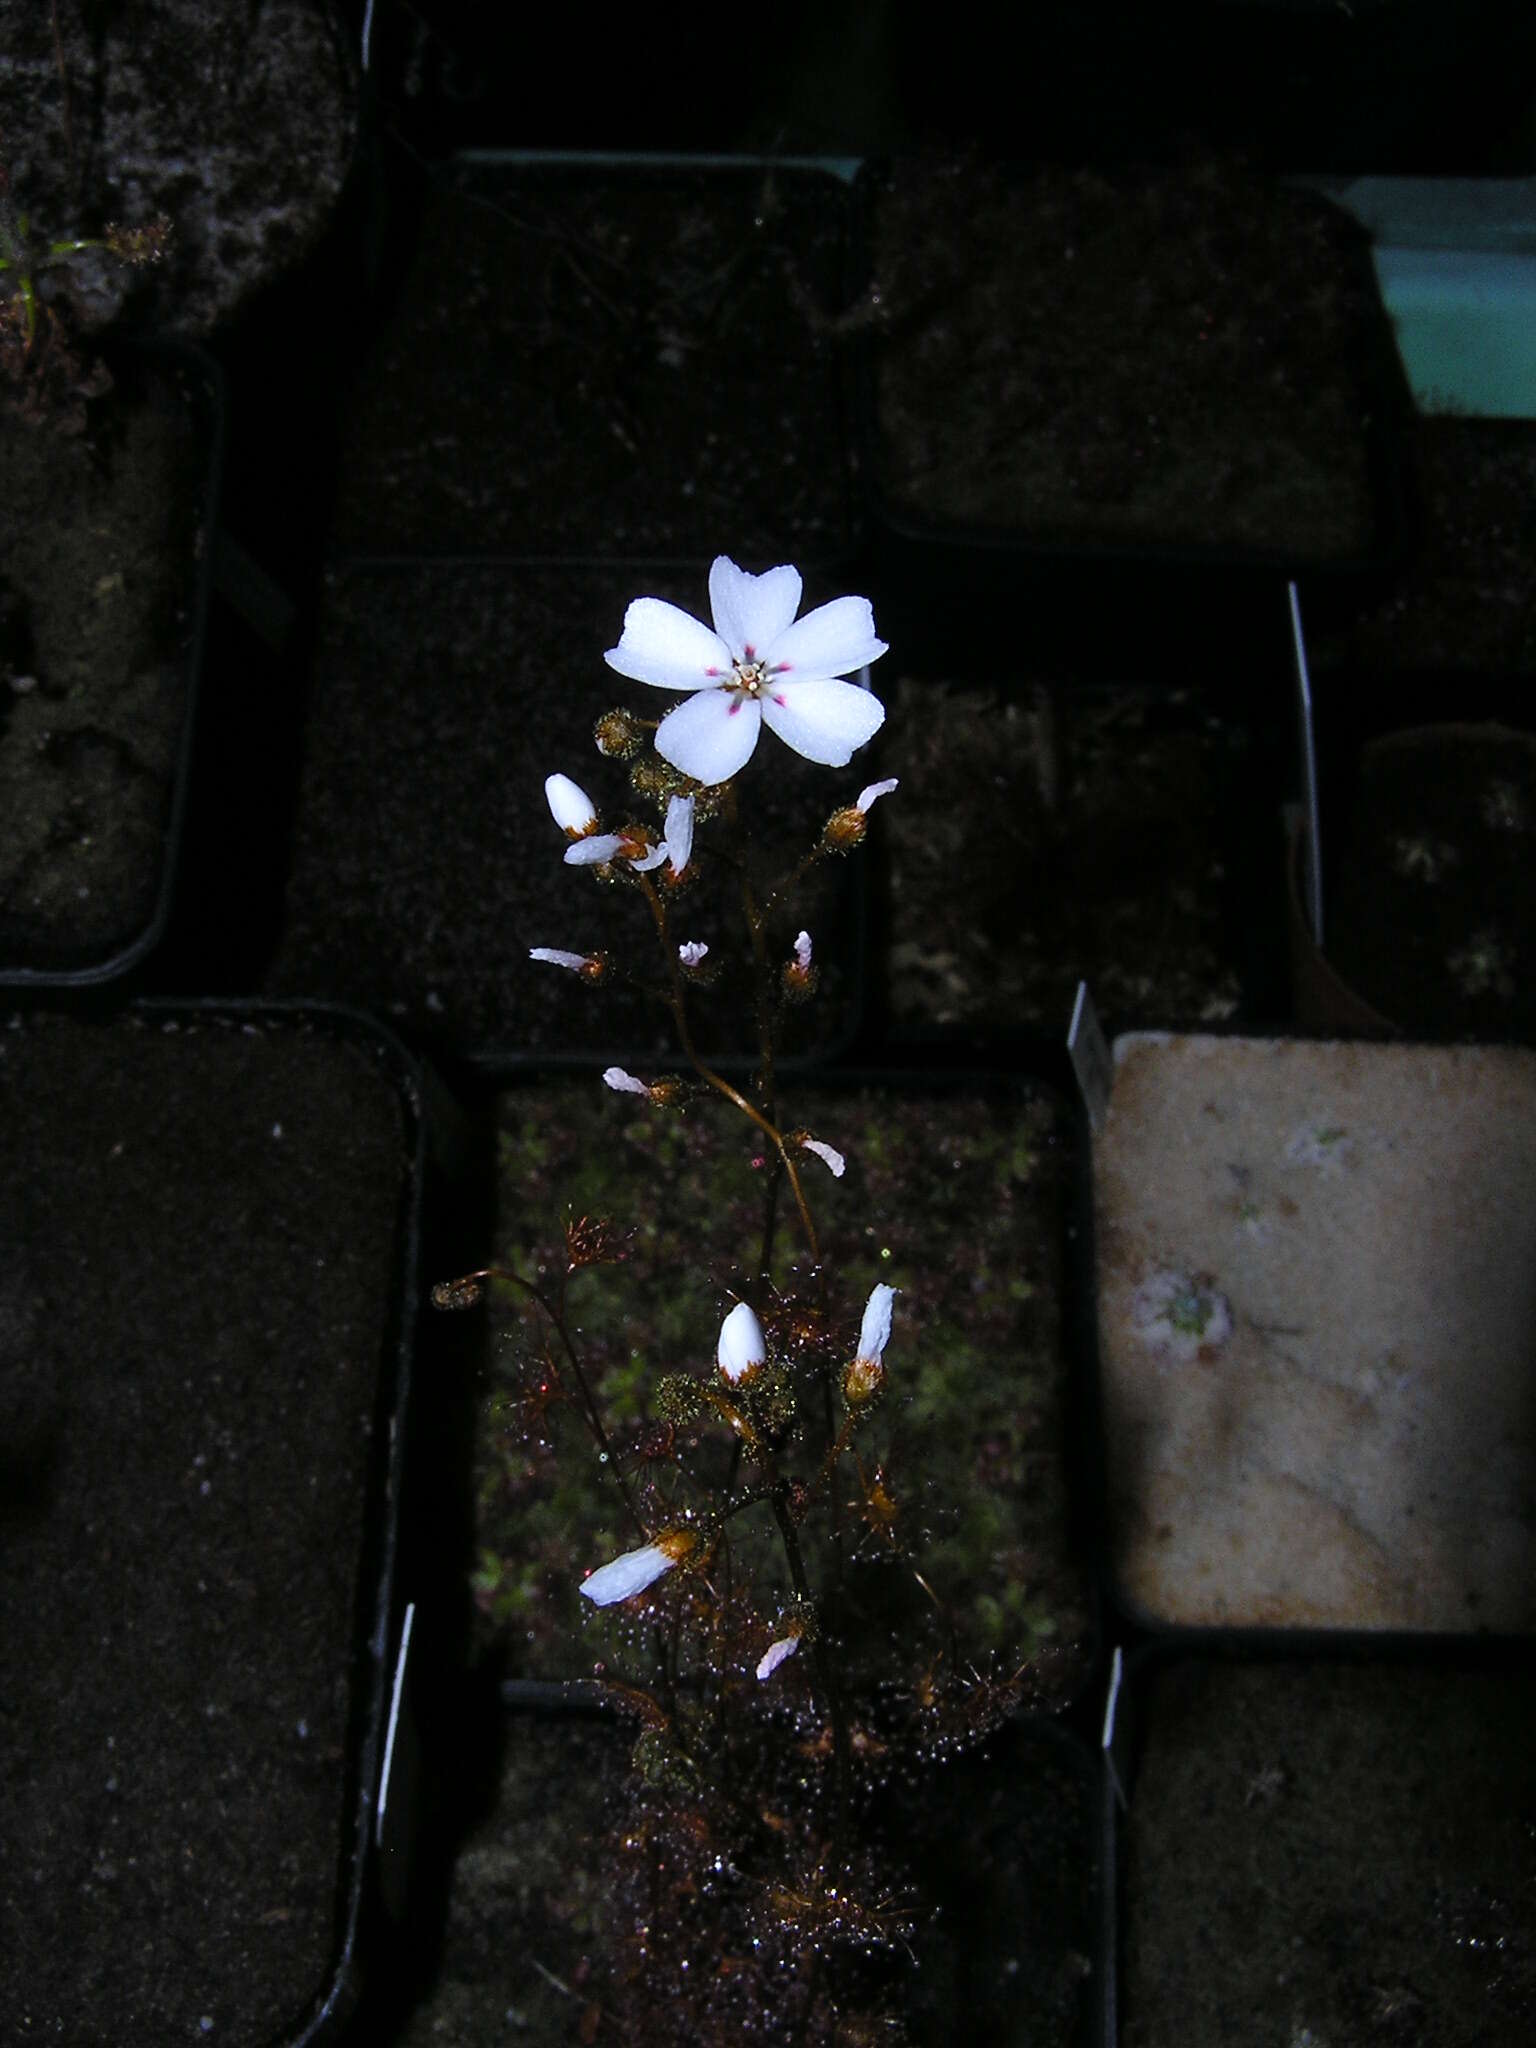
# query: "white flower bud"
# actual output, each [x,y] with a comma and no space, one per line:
[742,1347]
[570,806]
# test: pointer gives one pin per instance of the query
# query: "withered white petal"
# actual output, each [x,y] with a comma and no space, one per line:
[624,1084]
[827,1154]
[679,840]
[873,791]
[622,1577]
[593,850]
[875,1330]
[775,1655]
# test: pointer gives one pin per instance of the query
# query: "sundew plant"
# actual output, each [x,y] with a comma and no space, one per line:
[770,1621]
[43,375]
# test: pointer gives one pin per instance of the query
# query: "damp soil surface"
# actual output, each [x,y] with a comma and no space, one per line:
[1461,601]
[233,124]
[1433,920]
[1330,1852]
[101,537]
[550,1937]
[606,361]
[426,864]
[1047,834]
[202,1227]
[1191,360]
[958,1198]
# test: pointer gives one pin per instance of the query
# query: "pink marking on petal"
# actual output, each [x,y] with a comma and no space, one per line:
[778,698]
[782,668]
[735,707]
[747,654]
[711,671]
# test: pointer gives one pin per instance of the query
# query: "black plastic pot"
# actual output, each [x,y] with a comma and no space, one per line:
[1077,421]
[605,357]
[1124,834]
[1427,802]
[211,1221]
[103,612]
[1335,1844]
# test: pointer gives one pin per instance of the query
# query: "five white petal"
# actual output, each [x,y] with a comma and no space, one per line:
[760,663]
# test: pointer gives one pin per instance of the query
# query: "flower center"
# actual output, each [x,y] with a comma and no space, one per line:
[748,677]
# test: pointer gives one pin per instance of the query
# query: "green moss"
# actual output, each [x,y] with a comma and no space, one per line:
[955,1201]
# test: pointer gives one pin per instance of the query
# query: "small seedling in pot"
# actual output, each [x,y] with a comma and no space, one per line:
[45,374]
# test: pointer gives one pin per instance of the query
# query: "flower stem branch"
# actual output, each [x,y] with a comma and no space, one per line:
[707,1074]
[590,1412]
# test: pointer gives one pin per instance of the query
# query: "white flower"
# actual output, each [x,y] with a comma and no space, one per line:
[554,957]
[570,806]
[622,1577]
[691,952]
[637,847]
[872,792]
[625,1084]
[803,952]
[827,1154]
[875,1330]
[760,662]
[775,1654]
[742,1347]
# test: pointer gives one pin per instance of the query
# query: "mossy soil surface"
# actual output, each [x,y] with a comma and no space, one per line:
[608,1893]
[960,1199]
[202,1230]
